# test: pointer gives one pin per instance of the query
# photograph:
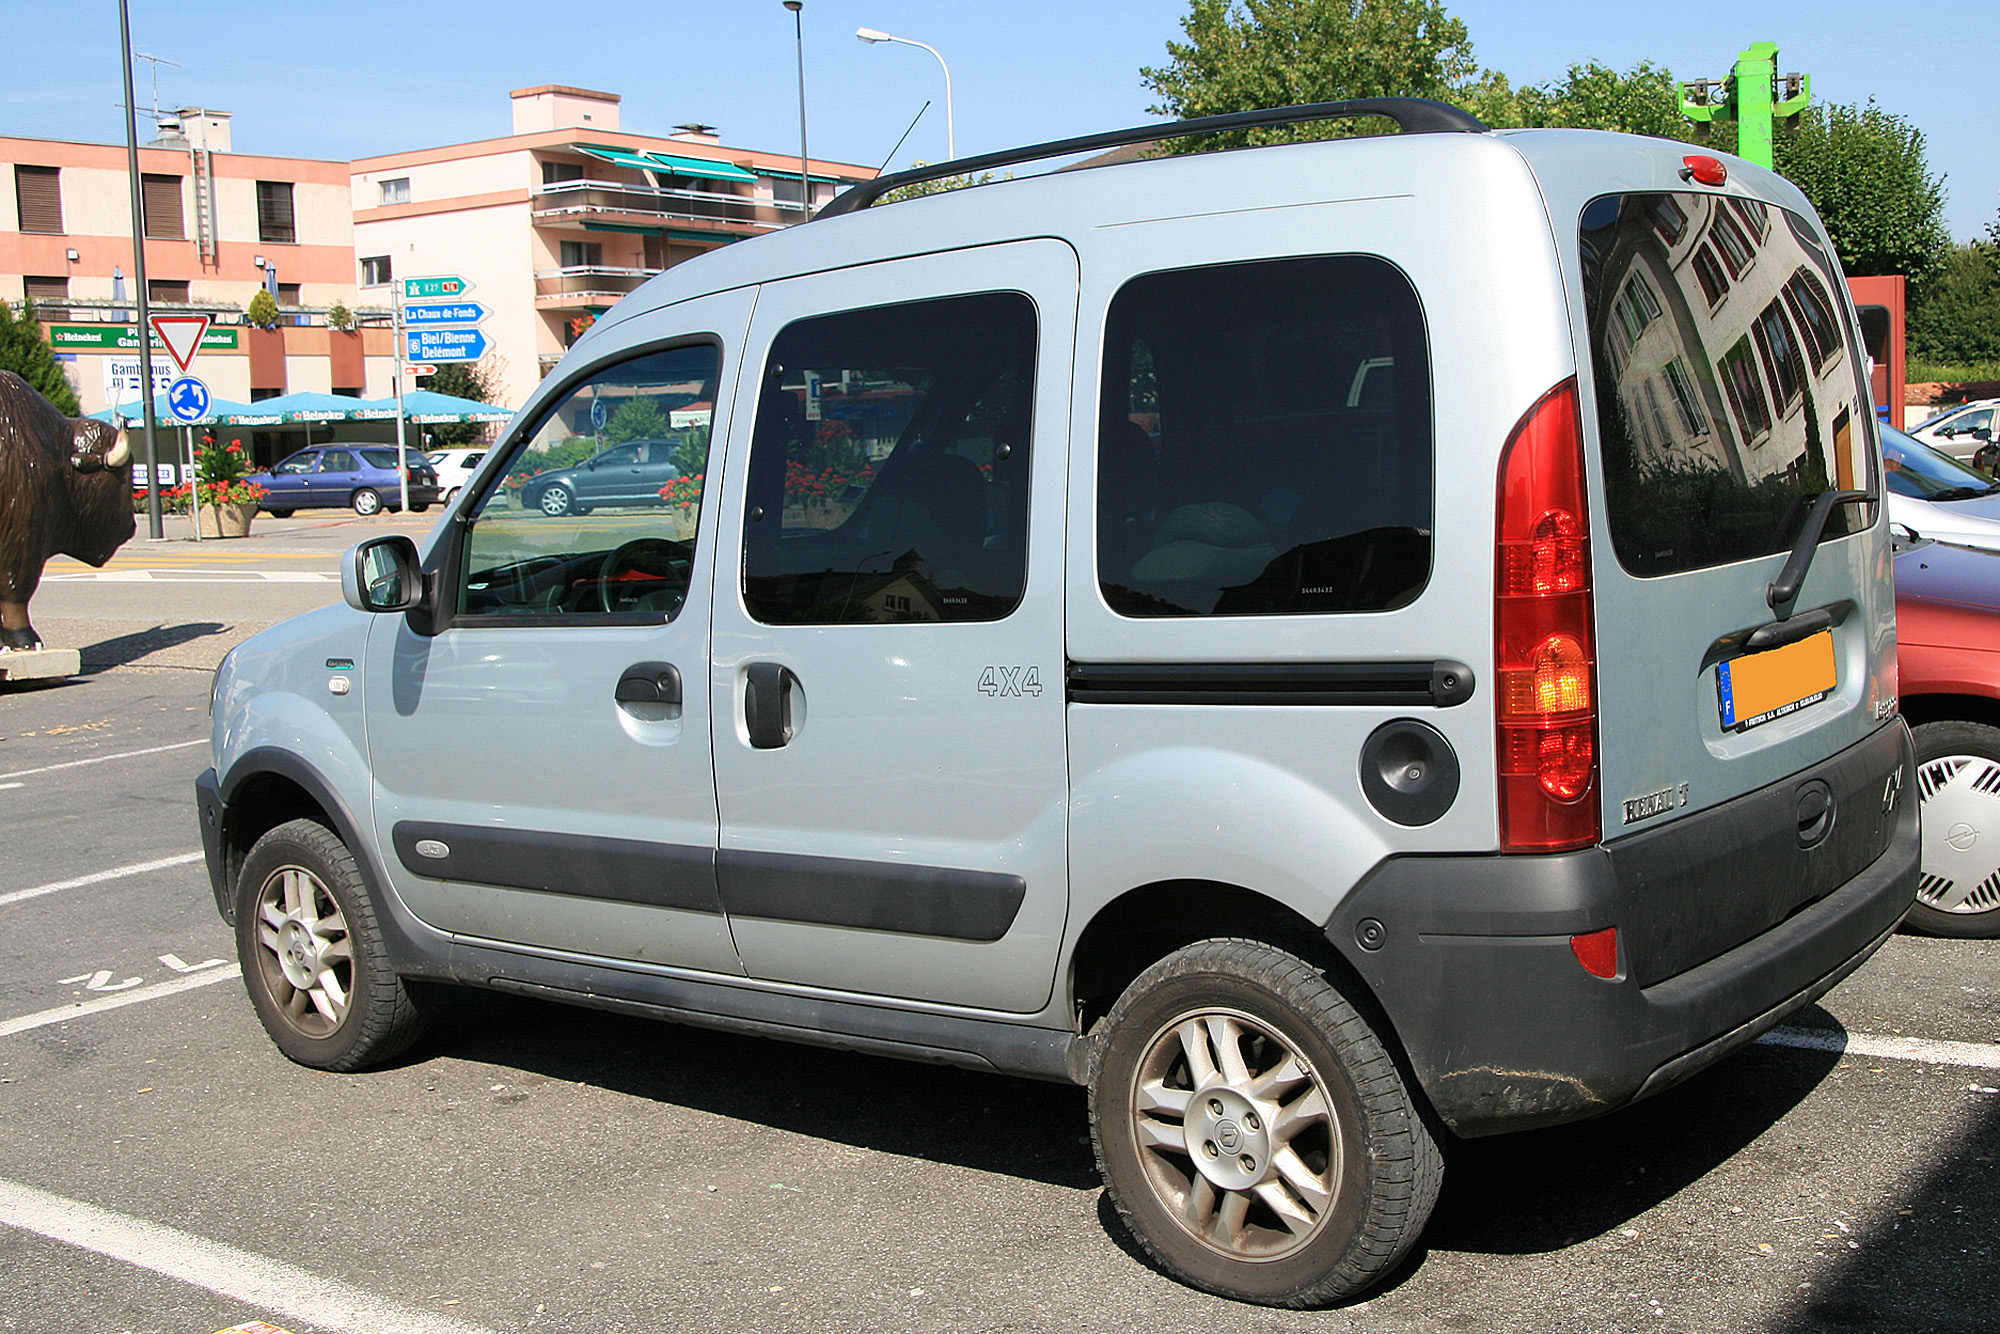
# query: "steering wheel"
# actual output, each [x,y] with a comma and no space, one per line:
[645,574]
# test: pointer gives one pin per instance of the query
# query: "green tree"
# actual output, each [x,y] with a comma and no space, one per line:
[1592,96]
[1958,321]
[639,418]
[25,352]
[339,317]
[1243,55]
[1864,171]
[942,185]
[476,380]
[262,311]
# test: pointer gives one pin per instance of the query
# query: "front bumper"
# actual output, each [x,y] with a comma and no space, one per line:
[1727,923]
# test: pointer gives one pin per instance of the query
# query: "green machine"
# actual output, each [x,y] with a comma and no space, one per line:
[1754,95]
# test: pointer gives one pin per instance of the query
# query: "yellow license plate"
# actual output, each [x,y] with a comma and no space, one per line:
[1763,686]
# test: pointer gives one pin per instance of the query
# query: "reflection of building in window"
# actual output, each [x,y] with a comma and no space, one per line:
[1686,400]
[1746,391]
[1714,283]
[1781,360]
[1670,219]
[1638,307]
[1737,252]
[1814,312]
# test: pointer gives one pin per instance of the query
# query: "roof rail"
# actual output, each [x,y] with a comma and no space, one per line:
[1413,115]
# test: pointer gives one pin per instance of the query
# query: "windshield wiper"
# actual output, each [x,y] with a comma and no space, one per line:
[1963,493]
[1793,577]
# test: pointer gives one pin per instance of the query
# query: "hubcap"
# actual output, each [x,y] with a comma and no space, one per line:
[1961,809]
[1236,1134]
[309,959]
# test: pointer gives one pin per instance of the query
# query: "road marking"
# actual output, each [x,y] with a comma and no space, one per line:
[243,1276]
[104,759]
[1926,1051]
[65,1013]
[15,896]
[193,576]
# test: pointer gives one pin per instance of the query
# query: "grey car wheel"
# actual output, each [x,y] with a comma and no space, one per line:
[367,501]
[1254,1133]
[312,954]
[556,501]
[1958,781]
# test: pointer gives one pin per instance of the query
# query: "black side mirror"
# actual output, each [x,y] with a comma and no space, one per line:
[382,575]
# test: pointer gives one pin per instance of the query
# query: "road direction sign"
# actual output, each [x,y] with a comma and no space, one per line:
[182,335]
[444,312]
[418,289]
[187,399]
[434,345]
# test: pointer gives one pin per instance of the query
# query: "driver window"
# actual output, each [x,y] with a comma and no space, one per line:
[566,534]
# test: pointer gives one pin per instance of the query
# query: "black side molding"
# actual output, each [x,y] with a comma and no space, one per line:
[628,870]
[1440,683]
[938,901]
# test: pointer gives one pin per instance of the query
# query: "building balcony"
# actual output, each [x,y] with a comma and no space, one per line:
[585,286]
[586,205]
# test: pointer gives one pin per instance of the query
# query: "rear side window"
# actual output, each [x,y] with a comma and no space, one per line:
[1264,445]
[1768,405]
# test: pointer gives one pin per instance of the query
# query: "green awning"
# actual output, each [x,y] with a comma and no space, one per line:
[641,160]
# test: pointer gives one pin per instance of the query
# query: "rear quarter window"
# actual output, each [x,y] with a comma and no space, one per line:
[1728,394]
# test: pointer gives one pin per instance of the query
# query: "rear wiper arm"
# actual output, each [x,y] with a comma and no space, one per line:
[1793,577]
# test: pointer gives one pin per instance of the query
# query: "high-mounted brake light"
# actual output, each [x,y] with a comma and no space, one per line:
[1544,634]
[1703,169]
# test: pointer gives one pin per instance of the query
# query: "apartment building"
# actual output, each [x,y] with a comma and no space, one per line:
[552,224]
[218,225]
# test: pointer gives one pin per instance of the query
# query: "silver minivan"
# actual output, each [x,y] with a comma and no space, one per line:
[1334,646]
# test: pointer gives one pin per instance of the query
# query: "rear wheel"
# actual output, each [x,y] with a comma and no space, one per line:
[312,954]
[1254,1133]
[366,502]
[279,514]
[1958,781]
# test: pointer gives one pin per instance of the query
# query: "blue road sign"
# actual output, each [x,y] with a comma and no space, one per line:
[598,414]
[435,345]
[187,399]
[444,312]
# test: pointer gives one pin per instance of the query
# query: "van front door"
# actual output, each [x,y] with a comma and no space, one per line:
[887,661]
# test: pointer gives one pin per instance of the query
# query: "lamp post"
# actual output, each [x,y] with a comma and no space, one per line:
[799,36]
[872,37]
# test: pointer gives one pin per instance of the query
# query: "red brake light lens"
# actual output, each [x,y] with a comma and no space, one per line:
[1703,169]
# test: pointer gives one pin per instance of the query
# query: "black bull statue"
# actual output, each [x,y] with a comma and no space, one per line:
[65,488]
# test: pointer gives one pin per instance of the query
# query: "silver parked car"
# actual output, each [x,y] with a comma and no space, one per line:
[1335,647]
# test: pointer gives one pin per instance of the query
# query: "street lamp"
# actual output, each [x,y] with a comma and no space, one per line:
[799,35]
[871,36]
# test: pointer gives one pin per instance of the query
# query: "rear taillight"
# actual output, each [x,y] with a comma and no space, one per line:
[1544,640]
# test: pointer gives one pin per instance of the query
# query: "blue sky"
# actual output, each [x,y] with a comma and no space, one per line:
[347,80]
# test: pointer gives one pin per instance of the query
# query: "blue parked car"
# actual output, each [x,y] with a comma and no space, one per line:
[363,477]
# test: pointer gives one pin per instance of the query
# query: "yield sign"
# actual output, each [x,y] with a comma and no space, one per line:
[182,335]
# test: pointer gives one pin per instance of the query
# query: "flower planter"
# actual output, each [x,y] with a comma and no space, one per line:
[228,520]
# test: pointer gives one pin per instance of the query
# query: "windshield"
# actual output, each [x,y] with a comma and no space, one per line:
[1915,469]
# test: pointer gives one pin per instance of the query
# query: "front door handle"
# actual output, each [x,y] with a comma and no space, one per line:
[650,691]
[767,704]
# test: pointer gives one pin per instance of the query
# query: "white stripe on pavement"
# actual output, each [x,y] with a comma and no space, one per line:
[104,759]
[1926,1051]
[119,873]
[64,1013]
[239,1275]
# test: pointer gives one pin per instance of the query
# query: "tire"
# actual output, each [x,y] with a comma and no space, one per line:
[419,509]
[449,496]
[1339,1146]
[279,514]
[556,501]
[367,501]
[1958,770]
[312,955]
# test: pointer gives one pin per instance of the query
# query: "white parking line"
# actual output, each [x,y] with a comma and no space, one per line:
[104,759]
[1926,1051]
[119,873]
[225,1270]
[64,1013]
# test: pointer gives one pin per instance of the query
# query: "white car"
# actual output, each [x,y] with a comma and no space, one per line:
[454,468]
[1936,496]
[1960,431]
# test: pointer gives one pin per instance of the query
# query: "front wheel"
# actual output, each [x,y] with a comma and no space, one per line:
[1958,781]
[556,501]
[366,502]
[279,514]
[1254,1133]
[312,955]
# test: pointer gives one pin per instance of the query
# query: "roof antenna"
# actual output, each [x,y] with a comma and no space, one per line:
[906,134]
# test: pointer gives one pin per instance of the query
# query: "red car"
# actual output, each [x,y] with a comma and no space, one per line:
[1948,656]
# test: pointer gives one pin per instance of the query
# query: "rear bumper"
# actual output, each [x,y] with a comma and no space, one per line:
[1470,956]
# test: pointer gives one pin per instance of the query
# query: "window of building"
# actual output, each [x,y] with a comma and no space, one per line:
[1638,307]
[38,198]
[889,465]
[161,200]
[1746,390]
[1714,282]
[582,254]
[376,270]
[47,295]
[650,417]
[1686,401]
[288,294]
[166,289]
[1816,319]
[1779,350]
[1670,220]
[1737,252]
[396,191]
[554,173]
[1239,473]
[274,212]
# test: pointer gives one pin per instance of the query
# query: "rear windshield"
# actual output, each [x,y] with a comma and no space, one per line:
[1729,392]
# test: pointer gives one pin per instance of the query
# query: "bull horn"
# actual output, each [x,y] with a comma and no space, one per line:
[121,451]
